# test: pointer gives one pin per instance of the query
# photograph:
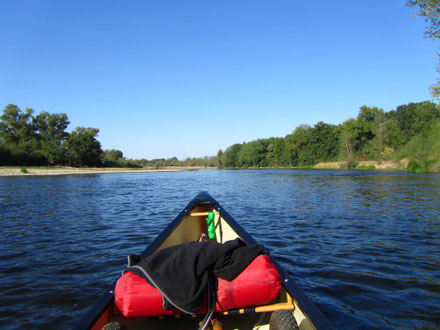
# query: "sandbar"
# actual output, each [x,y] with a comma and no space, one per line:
[65,170]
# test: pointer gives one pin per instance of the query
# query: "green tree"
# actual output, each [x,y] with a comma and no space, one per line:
[220,159]
[112,158]
[113,154]
[430,11]
[424,146]
[348,139]
[379,129]
[290,151]
[299,146]
[323,143]
[83,148]
[253,154]
[366,122]
[413,118]
[16,127]
[51,134]
[277,155]
[230,156]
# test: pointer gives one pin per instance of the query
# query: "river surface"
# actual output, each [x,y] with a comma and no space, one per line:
[364,246]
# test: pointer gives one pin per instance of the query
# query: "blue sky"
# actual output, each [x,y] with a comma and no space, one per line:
[187,78]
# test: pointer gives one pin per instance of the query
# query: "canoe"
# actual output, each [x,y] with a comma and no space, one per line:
[290,309]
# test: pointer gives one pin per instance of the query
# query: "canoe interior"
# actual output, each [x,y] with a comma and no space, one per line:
[190,228]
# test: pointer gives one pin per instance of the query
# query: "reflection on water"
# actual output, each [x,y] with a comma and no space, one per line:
[363,245]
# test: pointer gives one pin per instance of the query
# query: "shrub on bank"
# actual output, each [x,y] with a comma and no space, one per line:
[17,157]
[351,164]
[366,167]
[414,167]
[431,166]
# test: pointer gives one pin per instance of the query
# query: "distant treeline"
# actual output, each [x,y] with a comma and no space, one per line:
[26,139]
[410,131]
[188,162]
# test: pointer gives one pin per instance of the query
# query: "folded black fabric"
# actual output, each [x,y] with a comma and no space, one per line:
[182,272]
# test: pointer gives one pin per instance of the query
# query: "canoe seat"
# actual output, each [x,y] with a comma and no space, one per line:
[258,284]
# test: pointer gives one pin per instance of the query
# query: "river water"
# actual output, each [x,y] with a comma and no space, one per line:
[364,246]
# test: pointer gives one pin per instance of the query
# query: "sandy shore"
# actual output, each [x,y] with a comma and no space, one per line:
[65,170]
[15,171]
[386,165]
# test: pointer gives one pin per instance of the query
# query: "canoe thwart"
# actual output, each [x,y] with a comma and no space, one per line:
[199,214]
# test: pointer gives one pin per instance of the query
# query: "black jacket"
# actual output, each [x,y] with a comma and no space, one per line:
[182,272]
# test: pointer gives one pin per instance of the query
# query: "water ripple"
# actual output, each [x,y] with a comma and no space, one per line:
[363,245]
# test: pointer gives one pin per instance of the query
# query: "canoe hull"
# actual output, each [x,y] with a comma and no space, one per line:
[188,226]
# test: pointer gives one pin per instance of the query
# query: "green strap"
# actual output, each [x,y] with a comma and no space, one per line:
[211,225]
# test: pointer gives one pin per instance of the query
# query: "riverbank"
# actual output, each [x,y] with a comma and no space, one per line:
[66,170]
[36,171]
[368,164]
